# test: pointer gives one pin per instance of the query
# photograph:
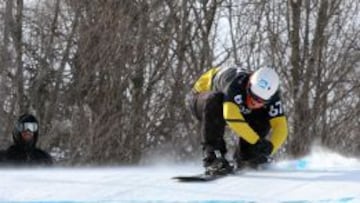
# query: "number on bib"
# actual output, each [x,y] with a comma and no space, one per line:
[276,109]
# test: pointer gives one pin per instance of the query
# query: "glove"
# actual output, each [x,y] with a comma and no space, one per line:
[263,147]
[261,153]
[259,160]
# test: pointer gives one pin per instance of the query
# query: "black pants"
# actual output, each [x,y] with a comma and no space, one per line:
[208,109]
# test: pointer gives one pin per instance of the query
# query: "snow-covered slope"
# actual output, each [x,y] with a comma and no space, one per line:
[322,177]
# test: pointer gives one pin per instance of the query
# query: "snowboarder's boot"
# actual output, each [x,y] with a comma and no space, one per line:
[216,164]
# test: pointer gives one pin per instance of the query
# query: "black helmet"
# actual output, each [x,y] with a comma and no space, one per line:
[26,122]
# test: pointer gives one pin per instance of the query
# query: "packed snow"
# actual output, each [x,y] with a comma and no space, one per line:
[319,177]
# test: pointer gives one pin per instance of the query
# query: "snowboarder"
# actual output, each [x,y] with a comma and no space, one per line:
[249,103]
[24,151]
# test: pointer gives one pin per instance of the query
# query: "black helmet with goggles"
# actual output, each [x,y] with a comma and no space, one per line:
[25,123]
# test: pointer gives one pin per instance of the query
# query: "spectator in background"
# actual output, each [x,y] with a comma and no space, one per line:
[24,151]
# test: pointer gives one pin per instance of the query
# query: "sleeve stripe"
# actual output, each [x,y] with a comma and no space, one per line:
[236,120]
[237,123]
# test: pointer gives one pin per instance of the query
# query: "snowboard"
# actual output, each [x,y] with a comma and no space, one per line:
[203,177]
[199,177]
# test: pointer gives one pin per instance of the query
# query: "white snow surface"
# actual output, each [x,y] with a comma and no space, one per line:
[320,177]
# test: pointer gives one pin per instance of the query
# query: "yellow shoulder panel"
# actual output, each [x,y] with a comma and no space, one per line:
[279,132]
[237,123]
[204,83]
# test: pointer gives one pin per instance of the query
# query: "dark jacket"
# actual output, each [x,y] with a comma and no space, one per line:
[19,155]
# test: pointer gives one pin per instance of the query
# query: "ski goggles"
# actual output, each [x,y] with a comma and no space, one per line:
[27,126]
[256,98]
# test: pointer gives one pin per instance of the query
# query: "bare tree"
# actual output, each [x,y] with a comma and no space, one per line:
[108,79]
[310,44]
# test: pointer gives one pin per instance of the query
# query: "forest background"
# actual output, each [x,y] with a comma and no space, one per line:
[108,79]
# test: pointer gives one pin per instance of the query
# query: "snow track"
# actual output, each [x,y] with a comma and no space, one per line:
[299,181]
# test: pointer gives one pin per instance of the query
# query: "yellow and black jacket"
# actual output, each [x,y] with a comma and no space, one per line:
[250,125]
